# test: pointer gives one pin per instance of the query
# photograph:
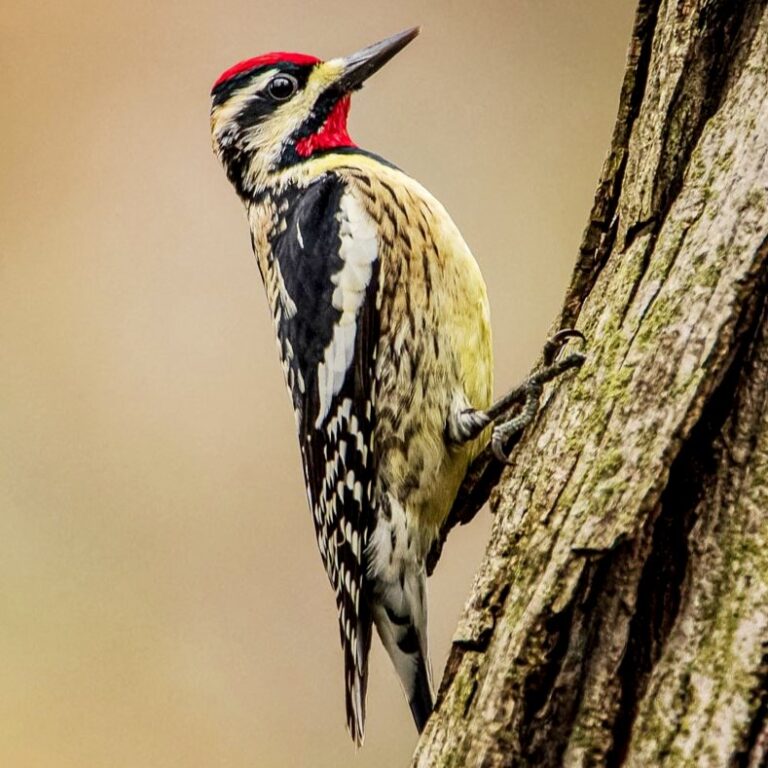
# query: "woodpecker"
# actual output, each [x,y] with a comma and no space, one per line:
[383,330]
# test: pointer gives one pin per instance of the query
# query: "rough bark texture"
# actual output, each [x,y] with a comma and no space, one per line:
[620,616]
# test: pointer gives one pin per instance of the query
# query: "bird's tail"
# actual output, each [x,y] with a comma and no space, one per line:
[356,644]
[400,616]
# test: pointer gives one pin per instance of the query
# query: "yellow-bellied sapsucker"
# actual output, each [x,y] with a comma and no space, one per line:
[383,329]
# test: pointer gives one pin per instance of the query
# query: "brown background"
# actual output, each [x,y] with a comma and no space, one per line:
[162,602]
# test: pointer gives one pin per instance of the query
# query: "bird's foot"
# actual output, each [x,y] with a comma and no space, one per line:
[508,424]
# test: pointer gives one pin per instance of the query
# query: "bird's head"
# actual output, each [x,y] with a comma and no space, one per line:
[274,111]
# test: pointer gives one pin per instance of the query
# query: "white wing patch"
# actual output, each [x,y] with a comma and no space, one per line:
[358,250]
[289,305]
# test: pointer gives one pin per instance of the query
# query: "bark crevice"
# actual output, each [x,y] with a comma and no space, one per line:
[665,570]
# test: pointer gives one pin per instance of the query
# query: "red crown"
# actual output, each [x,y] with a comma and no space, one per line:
[264,61]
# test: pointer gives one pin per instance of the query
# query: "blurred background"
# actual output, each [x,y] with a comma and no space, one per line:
[162,602]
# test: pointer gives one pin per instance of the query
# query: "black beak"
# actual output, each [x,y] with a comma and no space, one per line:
[361,65]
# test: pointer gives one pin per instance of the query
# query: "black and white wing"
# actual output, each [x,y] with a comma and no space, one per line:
[326,263]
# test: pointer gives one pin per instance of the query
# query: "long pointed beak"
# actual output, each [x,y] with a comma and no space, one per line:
[361,65]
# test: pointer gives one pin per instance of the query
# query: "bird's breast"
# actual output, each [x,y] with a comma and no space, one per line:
[434,344]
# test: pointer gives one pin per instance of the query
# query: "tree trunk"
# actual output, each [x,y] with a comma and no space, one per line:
[620,615]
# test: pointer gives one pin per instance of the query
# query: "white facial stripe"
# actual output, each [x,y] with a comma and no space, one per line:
[224,115]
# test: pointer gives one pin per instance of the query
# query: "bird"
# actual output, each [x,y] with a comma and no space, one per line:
[383,329]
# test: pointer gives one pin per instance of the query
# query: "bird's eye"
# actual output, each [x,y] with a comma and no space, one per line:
[282,87]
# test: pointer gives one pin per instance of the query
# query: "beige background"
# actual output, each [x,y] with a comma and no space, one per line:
[162,602]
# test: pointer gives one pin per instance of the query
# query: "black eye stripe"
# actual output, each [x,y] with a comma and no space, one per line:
[224,90]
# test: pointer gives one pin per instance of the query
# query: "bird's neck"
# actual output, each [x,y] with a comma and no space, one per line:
[253,168]
[331,134]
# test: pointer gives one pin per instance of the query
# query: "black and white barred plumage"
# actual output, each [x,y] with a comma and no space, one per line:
[326,325]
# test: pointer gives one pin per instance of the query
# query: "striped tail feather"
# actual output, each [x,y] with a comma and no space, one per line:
[356,652]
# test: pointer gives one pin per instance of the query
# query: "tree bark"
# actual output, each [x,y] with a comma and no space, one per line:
[620,615]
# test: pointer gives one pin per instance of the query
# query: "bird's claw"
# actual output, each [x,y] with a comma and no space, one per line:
[558,341]
[498,438]
[533,387]
[470,423]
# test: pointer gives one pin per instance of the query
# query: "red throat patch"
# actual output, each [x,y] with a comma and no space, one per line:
[331,134]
